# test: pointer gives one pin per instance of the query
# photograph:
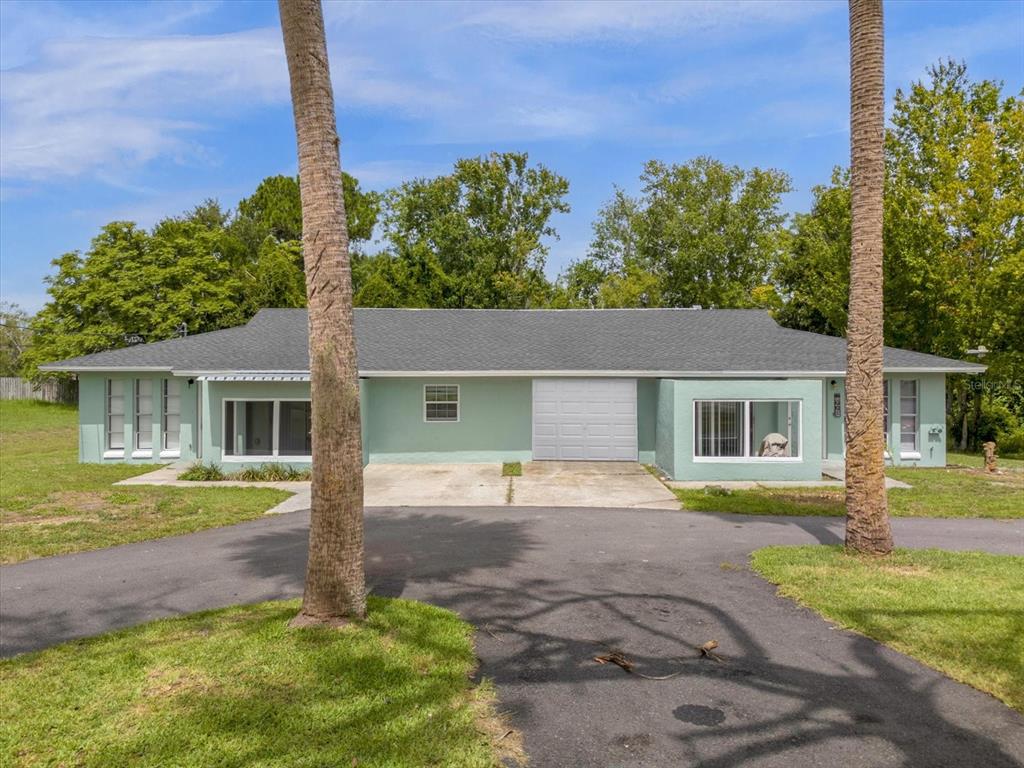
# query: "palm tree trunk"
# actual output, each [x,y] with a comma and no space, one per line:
[335,589]
[867,514]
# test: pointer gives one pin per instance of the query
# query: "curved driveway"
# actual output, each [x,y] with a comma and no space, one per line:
[549,589]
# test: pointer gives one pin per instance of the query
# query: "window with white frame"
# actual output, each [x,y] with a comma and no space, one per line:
[746,430]
[115,416]
[267,429]
[908,416]
[885,408]
[143,416]
[441,402]
[171,425]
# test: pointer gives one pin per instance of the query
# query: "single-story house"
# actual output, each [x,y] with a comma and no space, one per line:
[703,394]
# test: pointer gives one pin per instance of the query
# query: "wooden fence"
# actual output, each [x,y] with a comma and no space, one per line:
[50,390]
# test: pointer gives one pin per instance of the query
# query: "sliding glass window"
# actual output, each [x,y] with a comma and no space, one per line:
[265,429]
[747,430]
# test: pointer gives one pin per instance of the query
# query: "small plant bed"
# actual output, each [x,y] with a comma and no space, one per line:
[957,612]
[267,473]
[239,687]
[935,492]
[51,505]
[512,469]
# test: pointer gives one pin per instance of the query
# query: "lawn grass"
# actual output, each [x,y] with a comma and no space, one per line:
[237,687]
[977,461]
[936,492]
[50,504]
[512,469]
[961,613]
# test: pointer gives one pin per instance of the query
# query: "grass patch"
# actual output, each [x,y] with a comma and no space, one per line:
[936,492]
[961,613]
[237,687]
[50,504]
[764,501]
[512,469]
[977,461]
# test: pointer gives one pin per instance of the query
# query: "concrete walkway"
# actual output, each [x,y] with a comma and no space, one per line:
[551,588]
[614,484]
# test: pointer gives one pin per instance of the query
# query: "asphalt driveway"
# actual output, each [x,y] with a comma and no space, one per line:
[551,588]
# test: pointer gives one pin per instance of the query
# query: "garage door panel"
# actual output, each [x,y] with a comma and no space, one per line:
[584,419]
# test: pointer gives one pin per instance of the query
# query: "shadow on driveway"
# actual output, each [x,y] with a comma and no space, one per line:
[549,590]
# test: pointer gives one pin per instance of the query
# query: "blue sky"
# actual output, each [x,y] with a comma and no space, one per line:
[136,111]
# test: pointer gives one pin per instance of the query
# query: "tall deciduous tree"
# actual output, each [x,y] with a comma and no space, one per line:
[477,236]
[954,236]
[867,515]
[134,282]
[335,588]
[702,232]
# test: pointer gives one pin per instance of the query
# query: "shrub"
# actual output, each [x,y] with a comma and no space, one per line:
[996,420]
[201,472]
[1011,443]
[716,490]
[272,473]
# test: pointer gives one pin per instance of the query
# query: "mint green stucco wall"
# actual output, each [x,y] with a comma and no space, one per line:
[647,419]
[931,427]
[665,452]
[675,428]
[92,415]
[495,421]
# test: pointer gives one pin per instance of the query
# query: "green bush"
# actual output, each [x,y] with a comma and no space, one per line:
[997,420]
[201,472]
[272,473]
[1011,443]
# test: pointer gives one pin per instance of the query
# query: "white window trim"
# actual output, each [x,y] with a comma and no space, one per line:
[915,453]
[169,453]
[108,452]
[746,459]
[274,437]
[458,405]
[141,453]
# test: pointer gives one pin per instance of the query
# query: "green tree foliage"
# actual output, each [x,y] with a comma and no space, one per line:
[276,209]
[134,282]
[14,337]
[474,238]
[954,232]
[701,232]
[209,269]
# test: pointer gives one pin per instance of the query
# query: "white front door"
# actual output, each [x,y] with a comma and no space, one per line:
[584,419]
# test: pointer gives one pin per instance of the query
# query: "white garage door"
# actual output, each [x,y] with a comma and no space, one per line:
[584,419]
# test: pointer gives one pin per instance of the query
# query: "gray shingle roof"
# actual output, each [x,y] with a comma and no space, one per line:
[664,341]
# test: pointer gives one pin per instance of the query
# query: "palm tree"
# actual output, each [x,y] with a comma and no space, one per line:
[335,589]
[867,514]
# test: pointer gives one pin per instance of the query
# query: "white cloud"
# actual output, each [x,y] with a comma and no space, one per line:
[106,103]
[628,19]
